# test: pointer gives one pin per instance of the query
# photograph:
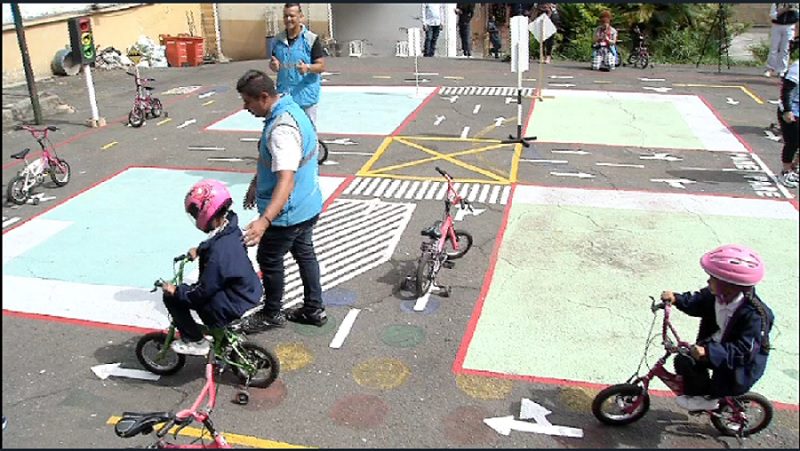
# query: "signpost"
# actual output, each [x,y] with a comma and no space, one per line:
[519,64]
[84,53]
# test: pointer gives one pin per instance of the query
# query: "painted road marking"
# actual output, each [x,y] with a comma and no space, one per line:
[232,439]
[675,183]
[661,89]
[421,190]
[740,87]
[580,175]
[731,101]
[484,91]
[32,234]
[103,371]
[422,301]
[110,145]
[438,120]
[621,165]
[767,182]
[344,328]
[504,426]
[336,152]
[206,94]
[382,187]
[382,77]
[452,77]
[181,90]
[664,156]
[464,132]
[476,109]
[187,122]
[10,221]
[544,161]
[208,103]
[164,121]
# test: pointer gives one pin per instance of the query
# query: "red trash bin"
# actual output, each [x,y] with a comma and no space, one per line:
[177,55]
[195,50]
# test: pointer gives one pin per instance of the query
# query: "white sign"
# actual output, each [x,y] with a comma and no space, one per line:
[542,28]
[415,41]
[519,44]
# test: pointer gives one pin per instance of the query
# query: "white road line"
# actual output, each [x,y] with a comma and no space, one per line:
[621,165]
[544,161]
[484,193]
[506,193]
[353,185]
[381,187]
[476,109]
[412,190]
[422,301]
[474,192]
[442,192]
[373,184]
[392,188]
[402,189]
[771,175]
[464,132]
[344,328]
[434,186]
[10,221]
[365,154]
[422,189]
[495,193]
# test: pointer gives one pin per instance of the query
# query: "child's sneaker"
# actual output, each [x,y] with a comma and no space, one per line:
[693,403]
[200,347]
[788,179]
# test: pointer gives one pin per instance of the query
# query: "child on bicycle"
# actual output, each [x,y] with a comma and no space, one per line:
[228,285]
[733,340]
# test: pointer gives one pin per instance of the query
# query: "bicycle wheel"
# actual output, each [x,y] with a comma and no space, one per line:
[16,190]
[136,116]
[756,414]
[633,59]
[322,150]
[608,406]
[147,350]
[156,108]
[59,171]
[255,366]
[464,240]
[644,60]
[425,274]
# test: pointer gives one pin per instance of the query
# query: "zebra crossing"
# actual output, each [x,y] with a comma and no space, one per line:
[483,91]
[388,188]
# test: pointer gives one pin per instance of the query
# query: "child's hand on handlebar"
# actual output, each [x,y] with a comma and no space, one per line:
[668,296]
[698,352]
[169,288]
[192,254]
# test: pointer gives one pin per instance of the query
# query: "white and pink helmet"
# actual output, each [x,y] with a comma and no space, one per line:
[735,264]
[205,200]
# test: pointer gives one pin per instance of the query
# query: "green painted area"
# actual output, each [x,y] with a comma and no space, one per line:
[569,297]
[402,335]
[634,123]
[314,331]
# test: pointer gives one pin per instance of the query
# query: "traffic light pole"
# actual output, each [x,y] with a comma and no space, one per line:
[26,64]
[96,120]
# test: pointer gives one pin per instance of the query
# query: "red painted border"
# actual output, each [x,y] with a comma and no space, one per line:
[338,192]
[416,112]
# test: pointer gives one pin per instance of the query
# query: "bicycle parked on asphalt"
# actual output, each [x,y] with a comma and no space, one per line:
[626,403]
[445,243]
[32,174]
[133,423]
[252,364]
[144,104]
[639,56]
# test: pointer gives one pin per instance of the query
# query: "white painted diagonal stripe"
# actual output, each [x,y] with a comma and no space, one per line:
[422,190]
[484,193]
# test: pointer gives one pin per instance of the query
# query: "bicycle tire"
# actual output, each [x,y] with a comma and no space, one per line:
[633,59]
[644,61]
[266,365]
[174,360]
[156,108]
[462,250]
[629,391]
[724,427]
[60,163]
[424,274]
[14,192]
[136,117]
[322,152]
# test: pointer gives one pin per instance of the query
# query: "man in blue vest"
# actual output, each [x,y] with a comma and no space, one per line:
[298,59]
[286,191]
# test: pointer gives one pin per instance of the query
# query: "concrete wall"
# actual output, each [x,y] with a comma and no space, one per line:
[378,23]
[756,14]
[118,28]
[244,26]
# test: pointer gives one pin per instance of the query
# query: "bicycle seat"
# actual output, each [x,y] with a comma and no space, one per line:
[20,155]
[433,231]
[133,424]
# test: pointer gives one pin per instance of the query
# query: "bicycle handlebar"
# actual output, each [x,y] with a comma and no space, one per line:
[50,128]
[441,171]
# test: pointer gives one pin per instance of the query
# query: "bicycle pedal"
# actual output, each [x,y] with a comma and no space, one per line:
[449,265]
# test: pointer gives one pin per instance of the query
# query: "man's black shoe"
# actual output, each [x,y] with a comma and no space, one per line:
[314,317]
[261,321]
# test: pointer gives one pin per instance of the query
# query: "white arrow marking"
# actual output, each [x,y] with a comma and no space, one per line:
[544,161]
[344,329]
[561,77]
[581,175]
[228,159]
[621,165]
[730,101]
[330,163]
[426,73]
[774,102]
[189,122]
[461,212]
[438,120]
[476,109]
[504,426]
[660,156]
[573,152]
[675,183]
[464,132]
[113,369]
[452,99]
[771,136]
[651,79]
[509,100]
[341,142]
[561,85]
[659,89]
[498,121]
[530,410]
[422,301]
[10,221]
[249,140]
[206,94]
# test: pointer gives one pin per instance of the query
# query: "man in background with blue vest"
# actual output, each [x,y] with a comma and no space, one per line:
[286,191]
[298,59]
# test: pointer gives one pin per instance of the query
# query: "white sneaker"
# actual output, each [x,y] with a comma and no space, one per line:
[201,347]
[693,403]
[768,73]
[788,179]
[793,176]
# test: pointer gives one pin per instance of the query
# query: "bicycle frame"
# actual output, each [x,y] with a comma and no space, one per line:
[447,229]
[34,169]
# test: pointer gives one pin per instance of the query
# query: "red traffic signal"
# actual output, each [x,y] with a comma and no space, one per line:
[84,24]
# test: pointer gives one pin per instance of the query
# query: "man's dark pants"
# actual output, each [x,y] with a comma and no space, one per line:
[431,36]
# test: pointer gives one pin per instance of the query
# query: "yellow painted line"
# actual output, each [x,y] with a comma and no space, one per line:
[208,103]
[740,87]
[453,77]
[454,139]
[462,164]
[432,179]
[515,163]
[381,149]
[164,121]
[385,77]
[428,160]
[109,145]
[752,96]
[233,439]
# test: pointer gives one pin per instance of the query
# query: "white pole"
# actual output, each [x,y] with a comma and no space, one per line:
[90,87]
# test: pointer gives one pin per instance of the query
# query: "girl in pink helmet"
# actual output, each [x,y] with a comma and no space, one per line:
[228,285]
[733,340]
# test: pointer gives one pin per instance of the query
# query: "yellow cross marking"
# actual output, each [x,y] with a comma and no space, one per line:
[743,88]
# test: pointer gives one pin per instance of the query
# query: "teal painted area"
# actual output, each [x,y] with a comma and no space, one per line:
[125,231]
[569,297]
[358,113]
[635,123]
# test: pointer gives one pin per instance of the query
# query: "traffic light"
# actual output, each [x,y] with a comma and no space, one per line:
[81,40]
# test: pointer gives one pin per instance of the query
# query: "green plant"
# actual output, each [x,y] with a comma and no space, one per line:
[760,51]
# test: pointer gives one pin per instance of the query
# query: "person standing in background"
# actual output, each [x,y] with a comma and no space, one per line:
[784,18]
[465,11]
[432,14]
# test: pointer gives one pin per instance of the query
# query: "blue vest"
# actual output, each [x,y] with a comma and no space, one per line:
[303,88]
[305,201]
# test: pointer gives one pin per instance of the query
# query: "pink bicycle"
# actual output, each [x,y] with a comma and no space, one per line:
[144,103]
[133,424]
[445,243]
[623,404]
[32,174]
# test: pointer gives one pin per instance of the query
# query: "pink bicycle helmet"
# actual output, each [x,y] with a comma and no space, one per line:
[204,200]
[735,264]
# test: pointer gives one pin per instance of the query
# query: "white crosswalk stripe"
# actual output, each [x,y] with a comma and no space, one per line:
[386,188]
[483,91]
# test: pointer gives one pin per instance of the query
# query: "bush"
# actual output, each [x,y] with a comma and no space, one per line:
[760,51]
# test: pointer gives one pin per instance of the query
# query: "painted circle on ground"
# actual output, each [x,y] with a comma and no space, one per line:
[402,335]
[293,356]
[267,398]
[577,399]
[485,388]
[381,373]
[359,411]
[430,307]
[339,297]
[314,331]
[464,426]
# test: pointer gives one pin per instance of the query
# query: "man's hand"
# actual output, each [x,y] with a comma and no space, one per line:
[303,67]
[169,288]
[668,296]
[274,64]
[788,117]
[254,231]
[192,254]
[698,352]
[250,197]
